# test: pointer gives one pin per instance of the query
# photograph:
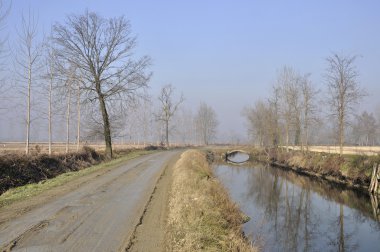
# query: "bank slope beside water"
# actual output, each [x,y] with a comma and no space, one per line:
[201,215]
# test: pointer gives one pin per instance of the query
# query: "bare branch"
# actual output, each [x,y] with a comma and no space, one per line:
[102,50]
[344,90]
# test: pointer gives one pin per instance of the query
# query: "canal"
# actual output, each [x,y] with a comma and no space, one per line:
[291,212]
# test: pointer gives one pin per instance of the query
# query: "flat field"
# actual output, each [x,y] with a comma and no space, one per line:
[59,147]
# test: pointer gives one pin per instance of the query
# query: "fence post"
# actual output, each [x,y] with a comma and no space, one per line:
[372,183]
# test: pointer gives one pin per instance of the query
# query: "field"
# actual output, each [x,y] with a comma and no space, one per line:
[360,150]
[60,147]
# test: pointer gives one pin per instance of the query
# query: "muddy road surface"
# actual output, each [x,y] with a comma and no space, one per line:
[101,214]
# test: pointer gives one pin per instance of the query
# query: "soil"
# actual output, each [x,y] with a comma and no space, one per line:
[108,210]
[150,233]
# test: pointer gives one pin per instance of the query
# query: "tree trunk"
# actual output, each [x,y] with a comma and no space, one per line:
[307,138]
[341,134]
[106,125]
[28,108]
[68,117]
[50,114]
[297,135]
[167,133]
[78,118]
[287,137]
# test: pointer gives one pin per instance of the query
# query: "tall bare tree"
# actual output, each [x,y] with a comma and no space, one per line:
[274,103]
[185,131]
[102,50]
[28,55]
[69,86]
[289,84]
[51,72]
[206,123]
[78,113]
[309,108]
[262,123]
[344,91]
[168,107]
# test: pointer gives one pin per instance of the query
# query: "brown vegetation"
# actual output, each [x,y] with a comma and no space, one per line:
[356,150]
[201,215]
[349,169]
[18,170]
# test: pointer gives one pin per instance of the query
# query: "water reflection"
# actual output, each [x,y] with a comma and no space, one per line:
[237,157]
[295,213]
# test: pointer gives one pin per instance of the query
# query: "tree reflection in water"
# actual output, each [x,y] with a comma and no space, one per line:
[296,213]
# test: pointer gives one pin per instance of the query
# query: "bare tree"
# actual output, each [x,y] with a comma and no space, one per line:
[145,120]
[206,123]
[185,131]
[68,89]
[27,59]
[101,49]
[344,91]
[255,121]
[365,129]
[78,113]
[309,108]
[261,123]
[289,84]
[274,103]
[168,107]
[51,72]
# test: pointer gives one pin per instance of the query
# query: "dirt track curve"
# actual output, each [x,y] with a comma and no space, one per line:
[99,215]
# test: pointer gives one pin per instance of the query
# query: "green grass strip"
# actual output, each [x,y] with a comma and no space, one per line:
[29,190]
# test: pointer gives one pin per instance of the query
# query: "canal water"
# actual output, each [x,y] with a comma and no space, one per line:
[290,212]
[238,157]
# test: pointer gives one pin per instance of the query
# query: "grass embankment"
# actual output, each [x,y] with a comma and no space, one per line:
[352,170]
[65,168]
[201,215]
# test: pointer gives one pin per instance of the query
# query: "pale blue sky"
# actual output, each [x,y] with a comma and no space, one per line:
[227,53]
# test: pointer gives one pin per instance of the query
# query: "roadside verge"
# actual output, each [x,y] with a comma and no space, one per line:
[201,216]
[21,199]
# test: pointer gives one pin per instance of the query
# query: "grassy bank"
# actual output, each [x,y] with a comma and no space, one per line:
[32,189]
[201,215]
[352,170]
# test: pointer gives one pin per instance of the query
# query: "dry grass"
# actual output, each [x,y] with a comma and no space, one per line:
[59,148]
[359,150]
[349,168]
[201,215]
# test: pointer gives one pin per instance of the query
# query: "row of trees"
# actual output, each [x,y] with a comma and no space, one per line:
[88,62]
[287,114]
[294,108]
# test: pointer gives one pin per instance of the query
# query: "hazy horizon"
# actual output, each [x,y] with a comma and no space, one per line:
[226,53]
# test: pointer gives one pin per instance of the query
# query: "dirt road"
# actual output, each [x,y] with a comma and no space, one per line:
[100,214]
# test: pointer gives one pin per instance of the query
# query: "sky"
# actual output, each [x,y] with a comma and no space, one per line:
[227,53]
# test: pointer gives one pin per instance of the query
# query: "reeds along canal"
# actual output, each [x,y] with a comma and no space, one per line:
[291,212]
